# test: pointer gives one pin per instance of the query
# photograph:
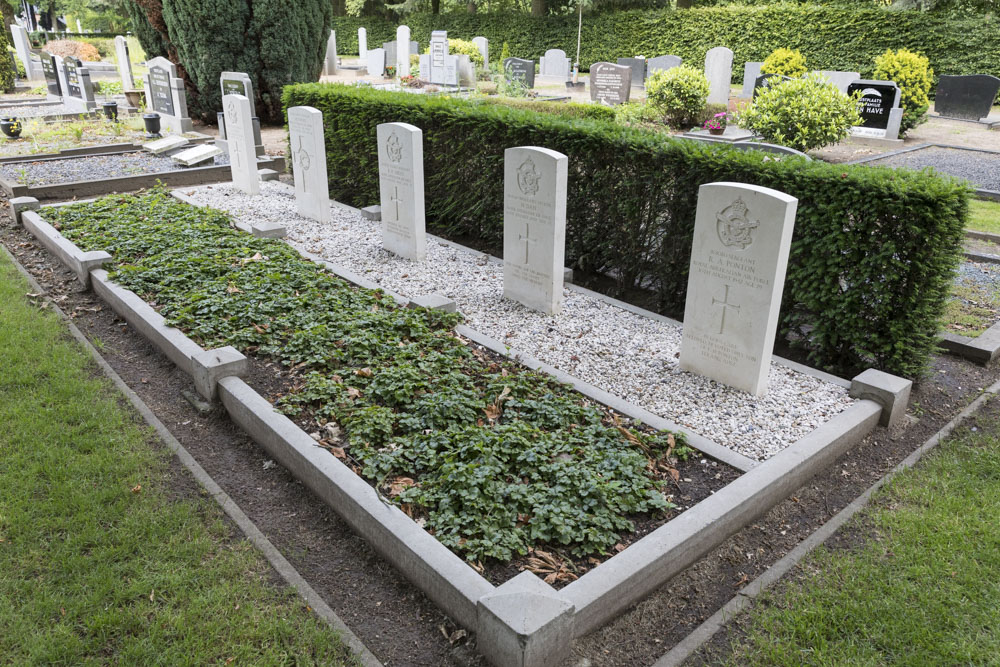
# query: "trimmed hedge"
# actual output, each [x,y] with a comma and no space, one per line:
[872,257]
[833,38]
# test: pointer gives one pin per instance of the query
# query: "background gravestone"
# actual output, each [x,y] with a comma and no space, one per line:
[534,227]
[124,63]
[390,53]
[751,70]
[719,72]
[554,63]
[376,62]
[742,236]
[878,105]
[308,156]
[362,43]
[23,47]
[610,83]
[401,189]
[238,83]
[403,50]
[765,81]
[330,63]
[439,66]
[242,157]
[79,92]
[966,97]
[638,67]
[165,95]
[660,63]
[483,45]
[519,69]
[50,69]
[840,79]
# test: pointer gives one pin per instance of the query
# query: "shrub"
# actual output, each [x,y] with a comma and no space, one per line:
[69,49]
[914,76]
[463,47]
[105,47]
[802,113]
[678,94]
[785,62]
[871,261]
[9,67]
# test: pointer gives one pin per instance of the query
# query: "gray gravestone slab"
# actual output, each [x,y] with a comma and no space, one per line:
[197,155]
[483,45]
[742,236]
[878,105]
[61,73]
[376,62]
[165,95]
[390,53]
[124,63]
[162,101]
[966,97]
[766,81]
[425,67]
[362,43]
[330,64]
[660,63]
[79,89]
[534,227]
[719,72]
[401,189]
[23,47]
[308,154]
[751,70]
[239,134]
[838,78]
[610,83]
[238,83]
[53,85]
[638,67]
[165,144]
[519,69]
[403,50]
[554,63]
[466,70]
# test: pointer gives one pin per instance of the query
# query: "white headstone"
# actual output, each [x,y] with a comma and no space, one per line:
[554,63]
[751,70]
[331,53]
[401,186]
[840,79]
[376,62]
[308,153]
[483,45]
[124,63]
[197,154]
[742,235]
[466,70]
[165,144]
[719,72]
[534,227]
[403,51]
[362,43]
[23,47]
[242,151]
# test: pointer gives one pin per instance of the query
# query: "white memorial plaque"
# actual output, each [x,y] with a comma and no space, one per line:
[242,147]
[197,154]
[401,186]
[742,236]
[534,227]
[308,153]
[165,144]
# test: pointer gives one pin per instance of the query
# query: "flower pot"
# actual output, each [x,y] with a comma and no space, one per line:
[110,110]
[716,130]
[11,127]
[152,122]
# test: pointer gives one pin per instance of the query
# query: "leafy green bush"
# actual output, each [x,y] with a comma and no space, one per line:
[831,37]
[871,260]
[786,62]
[678,94]
[565,109]
[8,65]
[914,76]
[463,47]
[801,113]
[495,457]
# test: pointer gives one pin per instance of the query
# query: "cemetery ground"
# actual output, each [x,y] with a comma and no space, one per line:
[394,619]
[110,552]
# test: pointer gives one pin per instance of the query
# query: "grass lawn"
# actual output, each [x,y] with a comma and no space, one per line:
[924,589]
[99,562]
[984,216]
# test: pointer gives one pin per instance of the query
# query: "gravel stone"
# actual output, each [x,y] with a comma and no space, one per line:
[26,110]
[980,168]
[626,354]
[92,167]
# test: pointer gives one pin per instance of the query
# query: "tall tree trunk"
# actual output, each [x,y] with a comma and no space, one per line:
[8,15]
[435,6]
[538,8]
[683,4]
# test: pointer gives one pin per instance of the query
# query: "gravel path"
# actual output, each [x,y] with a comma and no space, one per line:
[24,111]
[623,353]
[49,172]
[979,168]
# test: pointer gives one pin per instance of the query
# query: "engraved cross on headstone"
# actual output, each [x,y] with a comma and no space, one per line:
[724,302]
[528,240]
[394,198]
[302,156]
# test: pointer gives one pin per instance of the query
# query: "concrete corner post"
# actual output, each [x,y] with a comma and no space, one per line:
[524,623]
[20,204]
[212,365]
[889,391]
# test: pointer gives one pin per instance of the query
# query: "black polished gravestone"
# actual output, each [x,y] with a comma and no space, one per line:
[610,83]
[876,100]
[74,88]
[49,67]
[765,81]
[638,67]
[159,89]
[966,97]
[519,69]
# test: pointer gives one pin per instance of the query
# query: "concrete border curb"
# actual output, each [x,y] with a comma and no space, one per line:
[982,349]
[704,632]
[76,260]
[281,565]
[97,149]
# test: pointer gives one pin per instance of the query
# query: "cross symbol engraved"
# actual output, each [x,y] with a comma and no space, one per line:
[725,304]
[394,198]
[302,157]
[527,239]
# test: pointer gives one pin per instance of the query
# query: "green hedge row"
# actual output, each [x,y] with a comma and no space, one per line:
[873,253]
[834,38]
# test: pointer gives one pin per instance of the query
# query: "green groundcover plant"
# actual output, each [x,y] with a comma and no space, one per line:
[496,459]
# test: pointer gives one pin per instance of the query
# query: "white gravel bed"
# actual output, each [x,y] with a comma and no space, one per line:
[626,354]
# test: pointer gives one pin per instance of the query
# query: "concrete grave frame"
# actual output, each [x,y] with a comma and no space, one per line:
[981,193]
[523,622]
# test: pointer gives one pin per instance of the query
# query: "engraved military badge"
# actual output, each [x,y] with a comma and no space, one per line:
[302,155]
[528,178]
[735,226]
[394,148]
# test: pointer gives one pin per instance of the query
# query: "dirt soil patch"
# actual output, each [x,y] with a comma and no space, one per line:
[395,620]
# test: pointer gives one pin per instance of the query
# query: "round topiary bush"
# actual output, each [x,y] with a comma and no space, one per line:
[913,74]
[678,94]
[785,62]
[801,113]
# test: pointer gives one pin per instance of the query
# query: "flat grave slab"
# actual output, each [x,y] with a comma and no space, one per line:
[980,167]
[165,144]
[197,155]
